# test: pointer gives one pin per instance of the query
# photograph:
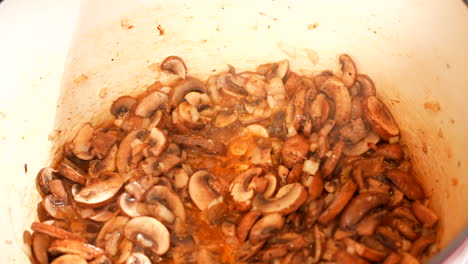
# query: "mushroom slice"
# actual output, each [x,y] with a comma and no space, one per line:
[314,184]
[388,237]
[138,258]
[349,70]
[103,141]
[122,106]
[167,197]
[390,151]
[189,116]
[200,143]
[54,231]
[266,185]
[380,118]
[393,258]
[184,87]
[406,183]
[368,225]
[126,154]
[148,233]
[107,164]
[44,176]
[240,190]
[338,204]
[71,246]
[175,65]
[364,251]
[340,95]
[288,199]
[362,146]
[40,244]
[343,257]
[148,105]
[403,226]
[276,92]
[100,191]
[427,217]
[70,171]
[407,258]
[258,130]
[366,85]
[129,205]
[204,187]
[111,235]
[158,141]
[225,118]
[359,206]
[319,110]
[246,223]
[418,246]
[294,150]
[355,131]
[356,107]
[81,144]
[248,250]
[69,258]
[332,161]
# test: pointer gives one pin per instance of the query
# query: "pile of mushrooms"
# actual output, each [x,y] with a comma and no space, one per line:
[247,167]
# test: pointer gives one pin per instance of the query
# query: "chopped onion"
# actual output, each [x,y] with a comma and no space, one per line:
[311,167]
[394,140]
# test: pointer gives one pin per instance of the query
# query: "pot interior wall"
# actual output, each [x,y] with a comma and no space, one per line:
[415,56]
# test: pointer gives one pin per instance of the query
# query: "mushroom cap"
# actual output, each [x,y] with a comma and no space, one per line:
[184,87]
[115,225]
[124,153]
[294,150]
[148,233]
[82,142]
[44,176]
[122,105]
[167,197]
[380,118]
[54,231]
[159,139]
[40,244]
[138,258]
[266,227]
[147,106]
[101,191]
[340,95]
[175,65]
[288,199]
[349,70]
[240,190]
[69,258]
[203,188]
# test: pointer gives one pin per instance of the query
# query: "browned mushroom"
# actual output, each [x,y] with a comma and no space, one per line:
[319,110]
[241,193]
[362,146]
[393,258]
[427,217]
[355,131]
[54,231]
[81,144]
[390,151]
[343,257]
[295,175]
[315,185]
[69,258]
[349,70]
[418,246]
[368,225]
[122,105]
[404,212]
[266,227]
[184,87]
[175,65]
[204,187]
[380,118]
[288,199]
[246,223]
[103,141]
[72,172]
[294,150]
[359,206]
[148,233]
[356,107]
[366,85]
[365,251]
[101,190]
[71,246]
[332,161]
[44,176]
[40,244]
[130,151]
[107,164]
[406,183]
[57,189]
[403,226]
[111,235]
[339,202]
[407,258]
[248,250]
[200,143]
[225,118]
[158,141]
[340,96]
[149,104]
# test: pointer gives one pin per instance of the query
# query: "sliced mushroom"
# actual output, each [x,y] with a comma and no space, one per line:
[407,258]
[175,65]
[356,107]
[339,202]
[266,184]
[427,217]
[57,189]
[288,199]
[56,208]
[122,106]
[44,176]
[406,183]
[319,110]
[359,206]
[40,244]
[349,70]
[388,237]
[107,164]
[294,150]
[204,187]
[393,258]
[368,225]
[101,260]
[69,258]
[111,234]
[404,227]
[266,227]
[167,197]
[366,85]
[128,154]
[246,223]
[200,143]
[340,96]
[103,141]
[81,144]
[72,172]
[332,161]
[54,231]
[404,212]
[149,104]
[419,246]
[188,116]
[355,131]
[365,251]
[138,258]
[158,141]
[380,118]
[343,257]
[362,146]
[315,185]
[241,194]
[148,233]
[225,118]
[71,246]
[184,87]
[248,250]
[390,151]
[100,191]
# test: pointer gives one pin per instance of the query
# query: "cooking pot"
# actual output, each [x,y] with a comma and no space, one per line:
[64,62]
